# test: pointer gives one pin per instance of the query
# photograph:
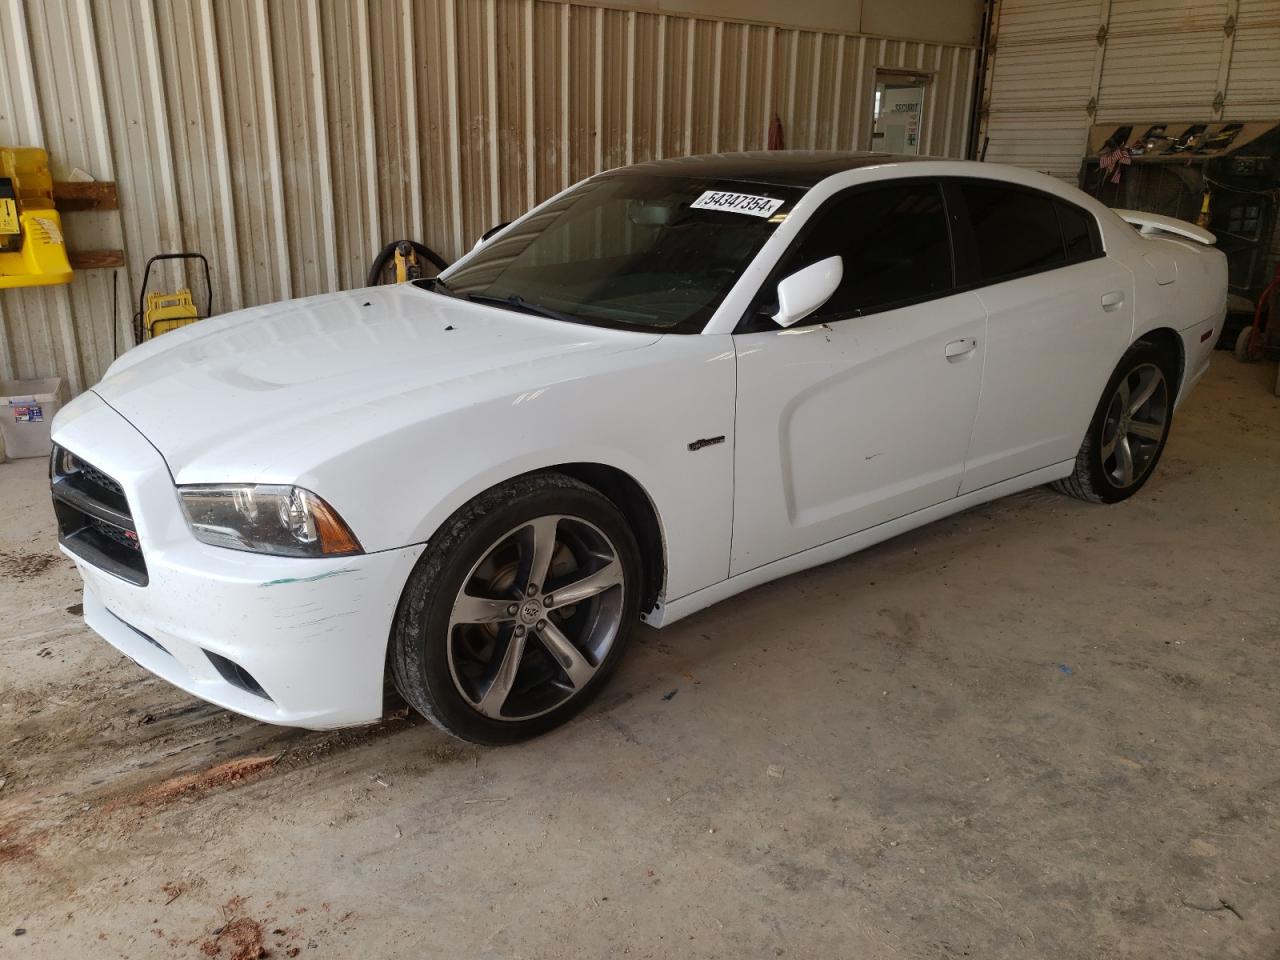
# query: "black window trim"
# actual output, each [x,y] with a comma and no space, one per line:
[754,320]
[966,245]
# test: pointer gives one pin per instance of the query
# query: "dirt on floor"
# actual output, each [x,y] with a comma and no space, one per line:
[1037,729]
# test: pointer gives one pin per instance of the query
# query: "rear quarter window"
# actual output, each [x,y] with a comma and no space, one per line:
[1015,232]
[1079,233]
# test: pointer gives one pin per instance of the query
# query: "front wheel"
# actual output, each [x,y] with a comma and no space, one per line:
[1128,431]
[518,610]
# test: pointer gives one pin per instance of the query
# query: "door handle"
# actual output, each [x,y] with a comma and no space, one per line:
[1113,300]
[959,349]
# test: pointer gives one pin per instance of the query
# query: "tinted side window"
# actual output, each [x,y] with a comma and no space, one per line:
[894,242]
[1077,233]
[1015,232]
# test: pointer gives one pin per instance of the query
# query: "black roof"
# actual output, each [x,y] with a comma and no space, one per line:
[785,168]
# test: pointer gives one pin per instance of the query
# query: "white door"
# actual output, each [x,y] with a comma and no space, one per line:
[1055,328]
[897,113]
[863,412]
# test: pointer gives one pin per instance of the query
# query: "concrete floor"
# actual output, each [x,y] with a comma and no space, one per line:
[1038,729]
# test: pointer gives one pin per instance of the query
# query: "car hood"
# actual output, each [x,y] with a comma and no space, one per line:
[229,392]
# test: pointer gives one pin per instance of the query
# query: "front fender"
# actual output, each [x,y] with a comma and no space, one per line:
[637,412]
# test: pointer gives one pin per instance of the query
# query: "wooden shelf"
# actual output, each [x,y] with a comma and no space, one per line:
[73,196]
[95,259]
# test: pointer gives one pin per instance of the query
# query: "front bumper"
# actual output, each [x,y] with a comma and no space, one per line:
[299,642]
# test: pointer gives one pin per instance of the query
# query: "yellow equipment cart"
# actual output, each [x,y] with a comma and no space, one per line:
[161,312]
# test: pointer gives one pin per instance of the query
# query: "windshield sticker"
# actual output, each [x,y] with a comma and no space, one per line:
[737,203]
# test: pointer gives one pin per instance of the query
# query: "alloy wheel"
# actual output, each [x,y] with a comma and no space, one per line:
[1134,426]
[535,617]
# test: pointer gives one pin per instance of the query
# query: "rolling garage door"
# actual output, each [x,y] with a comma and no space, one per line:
[1057,66]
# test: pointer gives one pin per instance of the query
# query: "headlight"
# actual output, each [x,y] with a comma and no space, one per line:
[266,518]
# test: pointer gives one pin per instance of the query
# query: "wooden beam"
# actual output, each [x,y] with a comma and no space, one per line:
[71,197]
[95,259]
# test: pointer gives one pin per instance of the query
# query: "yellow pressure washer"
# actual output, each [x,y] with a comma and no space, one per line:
[33,252]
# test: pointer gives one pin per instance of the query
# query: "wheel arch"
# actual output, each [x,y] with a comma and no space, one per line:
[617,484]
[1168,342]
[635,504]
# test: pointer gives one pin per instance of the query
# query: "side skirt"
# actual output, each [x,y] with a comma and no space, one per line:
[663,614]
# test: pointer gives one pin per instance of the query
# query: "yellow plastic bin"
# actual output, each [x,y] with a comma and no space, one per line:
[27,408]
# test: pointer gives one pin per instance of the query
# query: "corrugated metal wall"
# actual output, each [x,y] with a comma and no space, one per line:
[288,140]
[1061,65]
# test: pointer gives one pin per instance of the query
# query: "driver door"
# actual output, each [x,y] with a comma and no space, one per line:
[862,412]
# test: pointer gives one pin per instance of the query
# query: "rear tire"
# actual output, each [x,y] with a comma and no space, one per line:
[518,610]
[1129,428]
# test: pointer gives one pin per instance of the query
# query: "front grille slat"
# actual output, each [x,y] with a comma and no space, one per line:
[126,538]
[95,476]
[95,521]
[71,494]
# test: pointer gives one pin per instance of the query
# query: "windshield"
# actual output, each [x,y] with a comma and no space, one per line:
[631,251]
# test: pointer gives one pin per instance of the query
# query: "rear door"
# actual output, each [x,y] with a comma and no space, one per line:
[1059,315]
[862,412]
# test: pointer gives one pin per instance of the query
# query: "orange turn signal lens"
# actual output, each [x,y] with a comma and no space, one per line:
[334,535]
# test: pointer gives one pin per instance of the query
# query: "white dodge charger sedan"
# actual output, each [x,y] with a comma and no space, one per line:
[665,385]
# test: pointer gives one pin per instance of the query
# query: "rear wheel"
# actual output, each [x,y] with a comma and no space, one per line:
[518,610]
[1128,431]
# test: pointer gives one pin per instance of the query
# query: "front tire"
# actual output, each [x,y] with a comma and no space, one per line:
[518,610]
[1128,431]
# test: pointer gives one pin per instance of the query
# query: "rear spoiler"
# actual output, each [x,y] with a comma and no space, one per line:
[1153,224]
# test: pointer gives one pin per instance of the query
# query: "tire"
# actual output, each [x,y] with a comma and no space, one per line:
[1100,474]
[1241,348]
[509,676]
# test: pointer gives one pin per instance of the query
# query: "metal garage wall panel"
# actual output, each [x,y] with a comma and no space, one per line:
[308,208]
[344,31]
[644,93]
[183,112]
[253,150]
[513,120]
[19,123]
[756,108]
[396,137]
[435,81]
[579,76]
[612,81]
[475,57]
[43,340]
[59,67]
[802,123]
[288,140]
[703,90]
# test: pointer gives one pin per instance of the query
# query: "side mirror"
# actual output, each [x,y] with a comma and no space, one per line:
[806,290]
